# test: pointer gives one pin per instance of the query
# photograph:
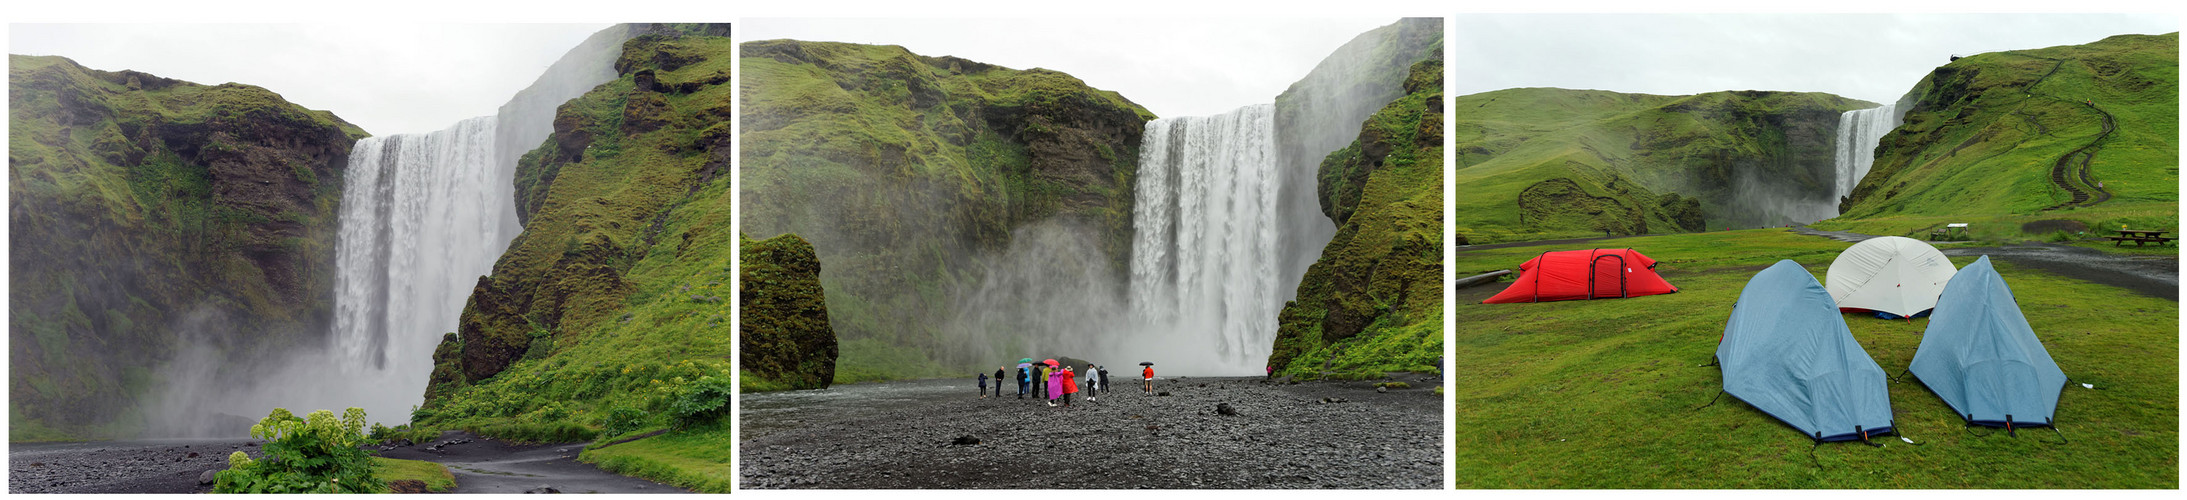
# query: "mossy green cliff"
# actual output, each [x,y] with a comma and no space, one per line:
[1540,163]
[1373,302]
[902,170]
[146,214]
[618,285]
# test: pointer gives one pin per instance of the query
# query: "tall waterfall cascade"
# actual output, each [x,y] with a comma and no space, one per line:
[1207,233]
[1858,132]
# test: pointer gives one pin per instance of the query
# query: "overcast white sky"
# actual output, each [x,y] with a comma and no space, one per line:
[1173,67]
[1870,57]
[386,78]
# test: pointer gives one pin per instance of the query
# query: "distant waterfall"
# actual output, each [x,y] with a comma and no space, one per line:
[1206,234]
[1858,133]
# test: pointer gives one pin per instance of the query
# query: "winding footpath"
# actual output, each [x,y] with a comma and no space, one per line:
[2063,171]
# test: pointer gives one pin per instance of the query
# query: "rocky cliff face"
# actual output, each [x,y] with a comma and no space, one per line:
[145,213]
[1373,301]
[786,342]
[625,256]
[904,170]
[1321,112]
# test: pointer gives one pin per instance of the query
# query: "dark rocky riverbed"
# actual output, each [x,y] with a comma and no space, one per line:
[119,466]
[900,435]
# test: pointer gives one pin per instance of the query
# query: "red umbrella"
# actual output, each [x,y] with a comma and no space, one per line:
[1051,363]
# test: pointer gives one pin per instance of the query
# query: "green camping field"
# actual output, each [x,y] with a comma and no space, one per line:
[1604,394]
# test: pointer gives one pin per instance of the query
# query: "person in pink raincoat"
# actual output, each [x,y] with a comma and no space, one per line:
[1055,388]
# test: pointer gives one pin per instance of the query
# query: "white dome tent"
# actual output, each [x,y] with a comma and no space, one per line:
[1897,276]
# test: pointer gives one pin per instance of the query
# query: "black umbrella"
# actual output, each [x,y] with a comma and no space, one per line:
[1146,363]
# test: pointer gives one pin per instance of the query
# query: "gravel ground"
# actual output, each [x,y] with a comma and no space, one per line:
[897,435]
[119,466]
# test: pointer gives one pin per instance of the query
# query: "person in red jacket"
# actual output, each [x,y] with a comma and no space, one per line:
[1070,385]
[1146,379]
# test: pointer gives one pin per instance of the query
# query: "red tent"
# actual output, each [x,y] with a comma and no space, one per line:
[1584,275]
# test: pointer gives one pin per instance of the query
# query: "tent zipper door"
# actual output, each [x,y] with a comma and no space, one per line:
[1607,278]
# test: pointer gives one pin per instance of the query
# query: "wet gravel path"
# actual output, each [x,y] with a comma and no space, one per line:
[488,466]
[900,435]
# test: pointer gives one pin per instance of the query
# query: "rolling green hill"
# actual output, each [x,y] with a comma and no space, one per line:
[2012,136]
[902,170]
[1540,163]
[147,214]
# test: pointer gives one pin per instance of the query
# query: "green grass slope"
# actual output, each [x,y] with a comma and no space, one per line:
[1373,302]
[148,214]
[1984,134]
[903,169]
[1542,163]
[613,302]
[1603,394]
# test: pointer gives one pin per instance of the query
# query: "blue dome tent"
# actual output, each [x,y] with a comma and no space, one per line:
[1980,356]
[1787,352]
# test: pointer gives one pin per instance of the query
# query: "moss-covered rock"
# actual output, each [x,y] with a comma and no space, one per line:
[146,213]
[783,316]
[1373,302]
[904,169]
[616,293]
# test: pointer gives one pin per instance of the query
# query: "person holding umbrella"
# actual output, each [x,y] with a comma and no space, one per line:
[1040,381]
[1146,377]
[1025,380]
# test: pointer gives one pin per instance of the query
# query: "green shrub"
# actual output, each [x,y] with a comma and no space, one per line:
[623,419]
[705,401]
[316,454]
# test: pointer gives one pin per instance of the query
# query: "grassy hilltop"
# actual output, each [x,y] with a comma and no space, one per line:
[609,315]
[147,215]
[902,170]
[2010,137]
[1543,163]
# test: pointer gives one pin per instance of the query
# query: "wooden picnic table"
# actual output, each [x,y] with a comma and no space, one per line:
[2140,237]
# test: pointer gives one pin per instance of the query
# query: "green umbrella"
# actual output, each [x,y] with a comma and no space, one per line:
[1026,360]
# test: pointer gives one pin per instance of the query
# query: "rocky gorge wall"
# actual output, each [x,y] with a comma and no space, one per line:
[147,214]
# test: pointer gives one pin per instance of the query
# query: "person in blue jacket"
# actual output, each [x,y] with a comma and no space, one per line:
[983,385]
[1024,382]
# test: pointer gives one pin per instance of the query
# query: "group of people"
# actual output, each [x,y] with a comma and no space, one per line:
[1055,384]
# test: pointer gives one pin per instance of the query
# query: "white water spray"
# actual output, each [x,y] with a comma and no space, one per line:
[1205,246]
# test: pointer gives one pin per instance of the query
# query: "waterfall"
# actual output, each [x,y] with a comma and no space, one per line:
[423,217]
[421,221]
[1205,245]
[1858,132]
